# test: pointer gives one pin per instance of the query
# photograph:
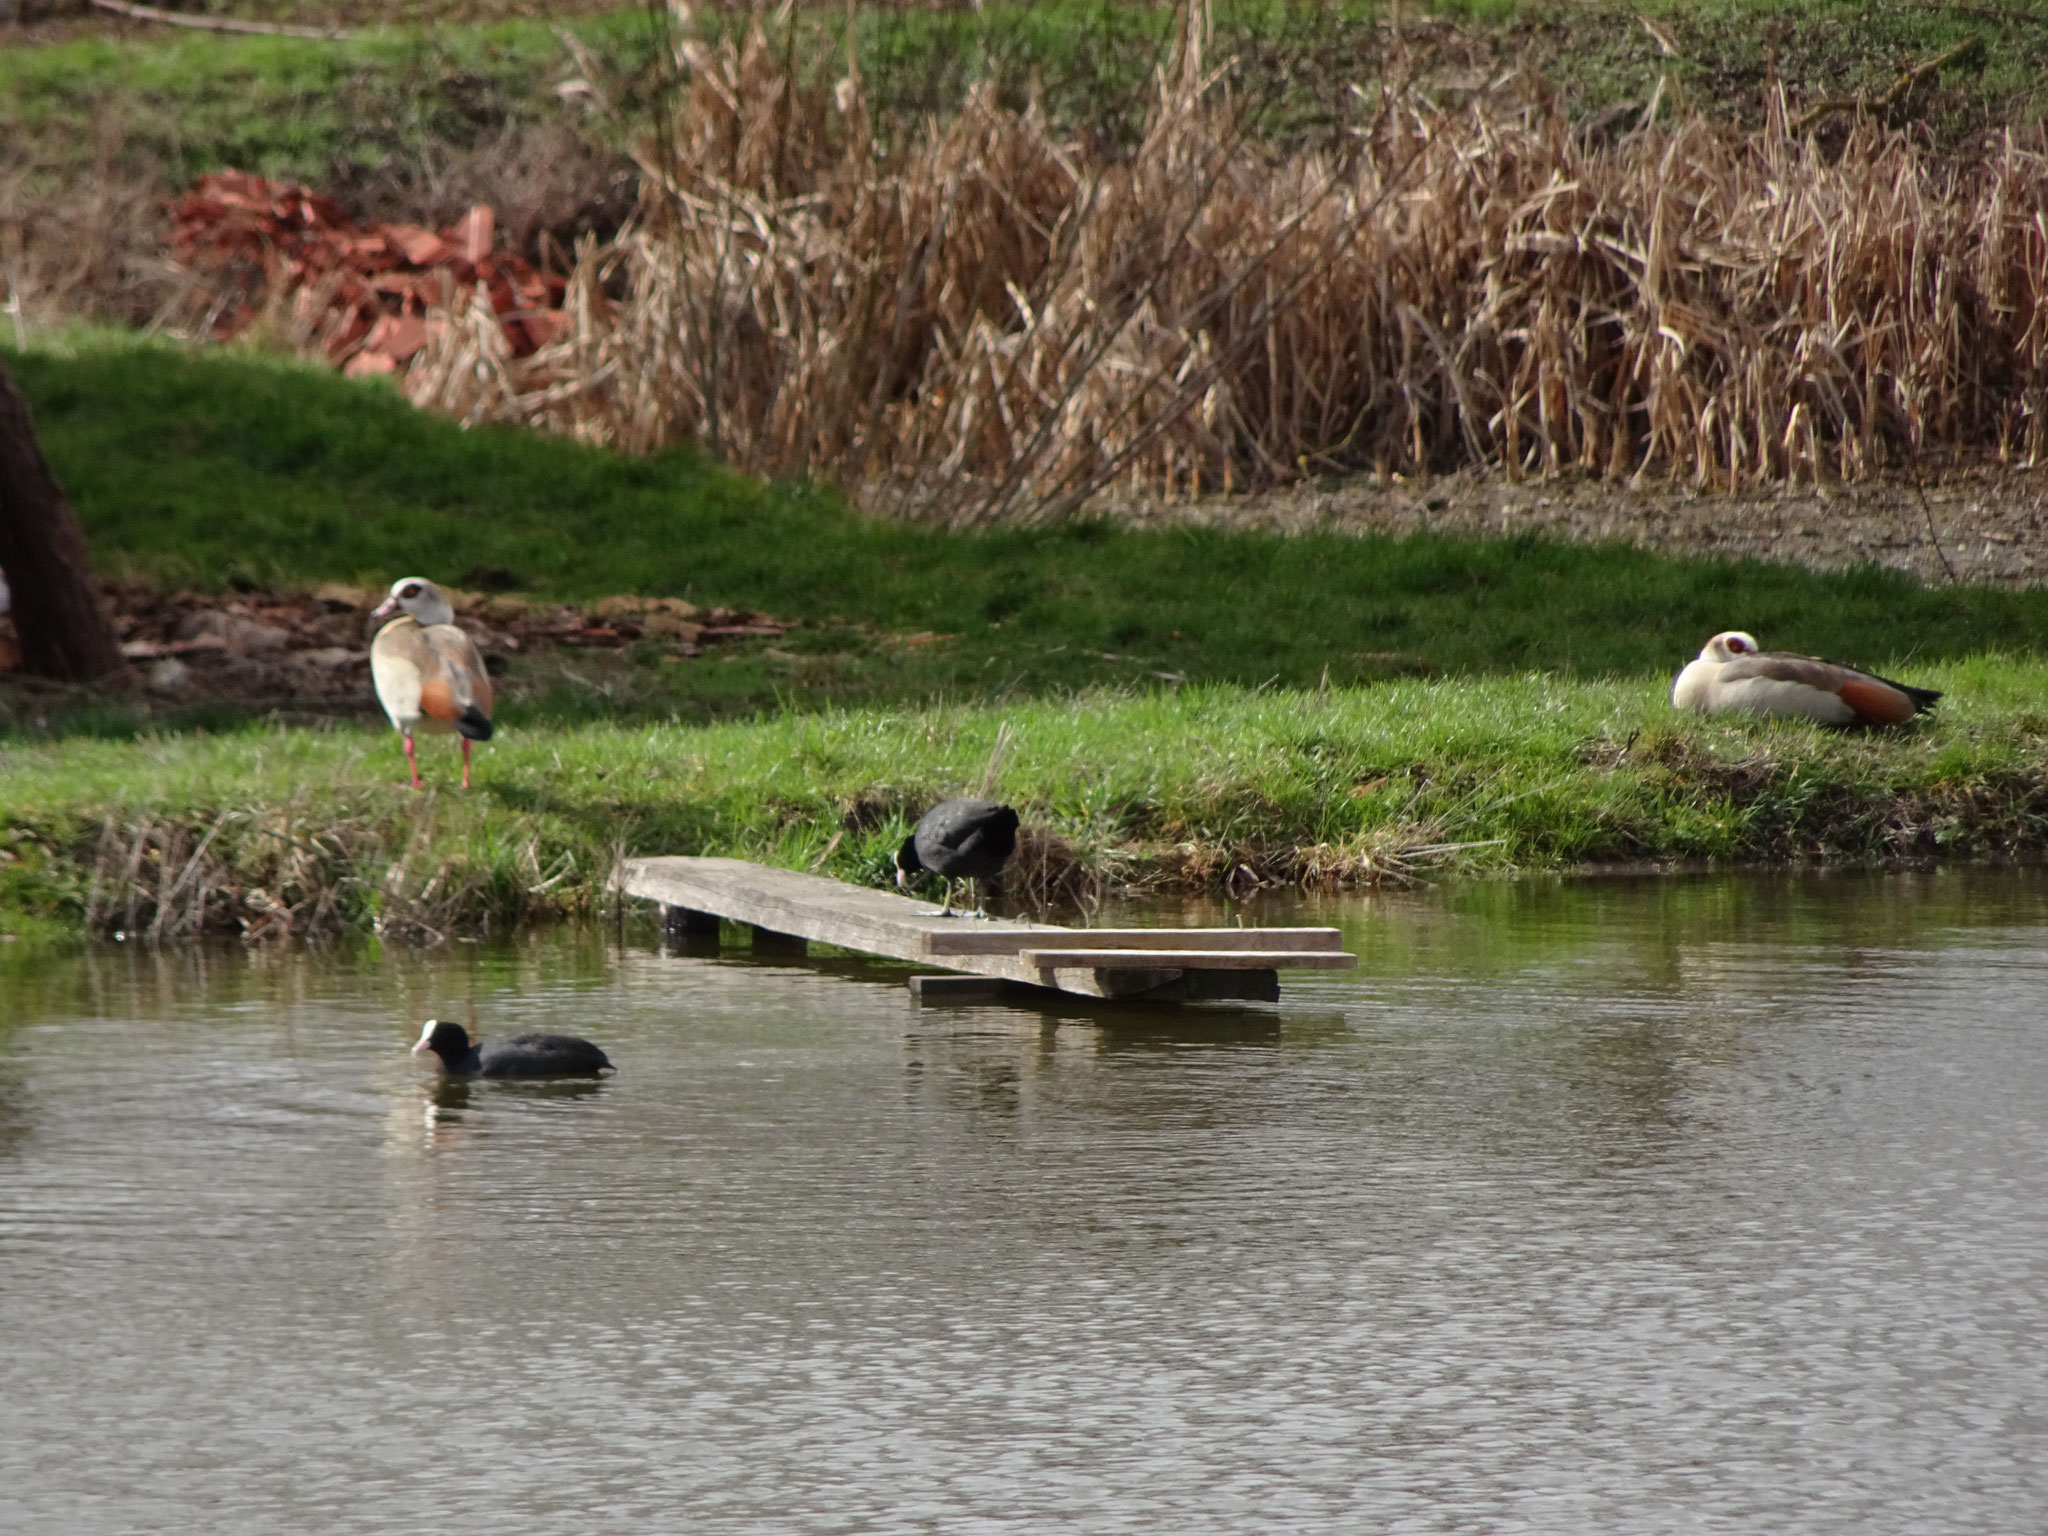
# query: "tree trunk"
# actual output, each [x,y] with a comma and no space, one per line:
[63,628]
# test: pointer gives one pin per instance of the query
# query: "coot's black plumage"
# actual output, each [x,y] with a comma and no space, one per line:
[959,840]
[520,1056]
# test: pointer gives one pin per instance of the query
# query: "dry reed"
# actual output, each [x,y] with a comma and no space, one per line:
[983,318]
[86,239]
[271,873]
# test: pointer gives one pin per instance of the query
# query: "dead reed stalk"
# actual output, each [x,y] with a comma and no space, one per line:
[271,873]
[984,319]
[85,236]
[1048,873]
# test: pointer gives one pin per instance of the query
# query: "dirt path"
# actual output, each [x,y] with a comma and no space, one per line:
[1986,523]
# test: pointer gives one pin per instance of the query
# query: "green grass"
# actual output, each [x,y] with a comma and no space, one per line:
[1546,737]
[327,111]
[220,469]
[311,111]
[1543,771]
[1298,62]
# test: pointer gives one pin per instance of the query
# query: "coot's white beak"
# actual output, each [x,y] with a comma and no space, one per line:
[426,1035]
[419,1047]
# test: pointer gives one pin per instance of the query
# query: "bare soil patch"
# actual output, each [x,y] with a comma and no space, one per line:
[309,651]
[1981,523]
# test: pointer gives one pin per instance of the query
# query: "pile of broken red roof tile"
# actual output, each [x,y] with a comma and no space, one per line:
[363,293]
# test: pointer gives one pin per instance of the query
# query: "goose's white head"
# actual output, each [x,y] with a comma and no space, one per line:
[419,598]
[1727,645]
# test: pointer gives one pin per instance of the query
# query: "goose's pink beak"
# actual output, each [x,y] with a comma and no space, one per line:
[384,607]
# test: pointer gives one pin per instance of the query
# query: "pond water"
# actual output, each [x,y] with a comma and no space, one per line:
[1612,1206]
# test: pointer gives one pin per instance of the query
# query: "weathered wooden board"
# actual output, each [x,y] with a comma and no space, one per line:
[803,906]
[1190,959]
[811,907]
[980,940]
[1188,987]
[970,989]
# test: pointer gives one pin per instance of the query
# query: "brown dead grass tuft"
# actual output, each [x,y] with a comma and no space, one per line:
[86,244]
[546,183]
[272,873]
[1398,855]
[984,319]
[1048,873]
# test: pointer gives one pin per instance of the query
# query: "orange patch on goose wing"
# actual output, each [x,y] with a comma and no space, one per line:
[463,665]
[438,699]
[1876,703]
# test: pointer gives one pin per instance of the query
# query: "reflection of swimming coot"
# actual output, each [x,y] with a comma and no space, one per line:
[520,1056]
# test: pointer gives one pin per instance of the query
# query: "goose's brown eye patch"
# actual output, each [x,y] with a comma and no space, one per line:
[412,589]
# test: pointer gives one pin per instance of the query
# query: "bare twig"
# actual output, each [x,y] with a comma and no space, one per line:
[1927,511]
[220,23]
[1968,48]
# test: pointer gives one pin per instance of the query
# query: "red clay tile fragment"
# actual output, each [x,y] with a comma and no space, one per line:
[363,292]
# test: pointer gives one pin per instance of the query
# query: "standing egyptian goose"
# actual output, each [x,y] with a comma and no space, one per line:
[1731,673]
[428,674]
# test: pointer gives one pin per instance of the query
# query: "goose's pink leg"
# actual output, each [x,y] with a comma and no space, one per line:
[413,763]
[465,762]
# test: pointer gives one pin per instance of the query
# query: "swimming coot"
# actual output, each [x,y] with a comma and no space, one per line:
[520,1056]
[959,840]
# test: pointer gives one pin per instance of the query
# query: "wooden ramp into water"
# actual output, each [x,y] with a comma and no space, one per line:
[786,909]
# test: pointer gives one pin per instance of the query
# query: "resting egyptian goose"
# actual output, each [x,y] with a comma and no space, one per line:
[428,674]
[1731,673]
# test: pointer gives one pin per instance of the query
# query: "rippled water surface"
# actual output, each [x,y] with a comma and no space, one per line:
[1714,1205]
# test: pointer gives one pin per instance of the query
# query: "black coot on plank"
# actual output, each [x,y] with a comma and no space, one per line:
[520,1056]
[959,840]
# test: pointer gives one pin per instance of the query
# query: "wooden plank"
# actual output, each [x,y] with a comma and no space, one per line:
[686,922]
[1186,987]
[974,989]
[855,917]
[824,911]
[787,901]
[1259,986]
[1189,959]
[980,940]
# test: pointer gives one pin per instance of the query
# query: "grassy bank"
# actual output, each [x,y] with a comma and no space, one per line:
[322,109]
[185,103]
[219,470]
[296,831]
[1164,690]
[1190,706]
